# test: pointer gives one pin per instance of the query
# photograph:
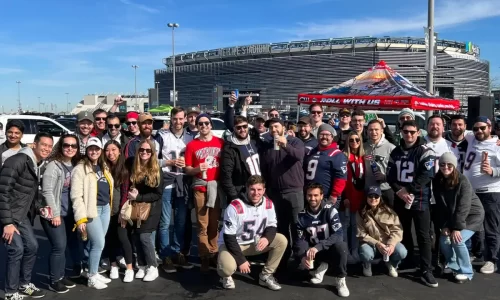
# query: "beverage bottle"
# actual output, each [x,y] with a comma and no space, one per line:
[276,145]
[484,158]
[83,235]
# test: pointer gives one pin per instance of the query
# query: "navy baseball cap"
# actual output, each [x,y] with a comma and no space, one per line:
[483,119]
[374,190]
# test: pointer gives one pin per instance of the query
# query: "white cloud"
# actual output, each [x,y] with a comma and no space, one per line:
[449,13]
[8,71]
[142,7]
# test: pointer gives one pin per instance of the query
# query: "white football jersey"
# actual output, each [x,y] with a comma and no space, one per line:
[247,221]
[173,147]
[482,183]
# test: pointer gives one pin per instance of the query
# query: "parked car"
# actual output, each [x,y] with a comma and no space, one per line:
[35,124]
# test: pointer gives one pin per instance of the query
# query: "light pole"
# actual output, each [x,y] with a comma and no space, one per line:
[67,103]
[39,109]
[135,84]
[173,26]
[430,52]
[157,94]
[20,110]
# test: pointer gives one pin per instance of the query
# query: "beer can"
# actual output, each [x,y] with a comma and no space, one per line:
[256,241]
[84,236]
[311,264]
[408,205]
[276,145]
[386,257]
[485,155]
[374,166]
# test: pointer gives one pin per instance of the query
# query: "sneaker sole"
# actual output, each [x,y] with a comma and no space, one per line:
[59,292]
[184,266]
[169,271]
[487,272]
[70,286]
[34,297]
[149,280]
[429,284]
[262,283]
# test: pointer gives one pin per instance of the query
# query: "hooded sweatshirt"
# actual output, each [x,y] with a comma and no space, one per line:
[380,154]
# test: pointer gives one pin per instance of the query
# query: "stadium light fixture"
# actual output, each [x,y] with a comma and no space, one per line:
[173,26]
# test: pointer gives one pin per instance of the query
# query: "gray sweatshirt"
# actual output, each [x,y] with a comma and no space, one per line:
[52,186]
[380,153]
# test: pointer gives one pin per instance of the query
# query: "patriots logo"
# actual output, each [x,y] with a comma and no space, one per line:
[429,165]
[344,169]
[372,190]
[228,223]
[300,234]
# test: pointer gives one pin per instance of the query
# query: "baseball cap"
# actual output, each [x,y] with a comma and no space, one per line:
[273,120]
[304,120]
[132,115]
[85,115]
[193,109]
[374,190]
[483,119]
[344,111]
[261,117]
[145,117]
[94,141]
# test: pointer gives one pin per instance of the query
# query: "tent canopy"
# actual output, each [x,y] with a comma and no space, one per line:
[161,109]
[379,88]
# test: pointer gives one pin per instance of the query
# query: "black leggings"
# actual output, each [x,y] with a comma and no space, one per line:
[127,242]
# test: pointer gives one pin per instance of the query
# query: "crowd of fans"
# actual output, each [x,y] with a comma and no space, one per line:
[320,196]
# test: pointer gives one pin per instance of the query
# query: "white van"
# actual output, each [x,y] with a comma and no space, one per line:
[391,118]
[34,125]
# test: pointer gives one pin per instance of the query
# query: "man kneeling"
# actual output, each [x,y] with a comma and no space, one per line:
[250,229]
[319,240]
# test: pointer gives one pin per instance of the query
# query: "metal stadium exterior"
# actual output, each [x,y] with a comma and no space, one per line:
[277,72]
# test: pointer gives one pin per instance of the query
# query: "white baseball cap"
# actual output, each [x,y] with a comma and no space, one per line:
[94,141]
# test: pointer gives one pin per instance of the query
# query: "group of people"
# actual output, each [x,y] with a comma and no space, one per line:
[320,196]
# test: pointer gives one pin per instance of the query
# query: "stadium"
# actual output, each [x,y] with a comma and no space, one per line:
[275,73]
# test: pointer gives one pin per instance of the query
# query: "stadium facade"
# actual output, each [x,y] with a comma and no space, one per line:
[275,73]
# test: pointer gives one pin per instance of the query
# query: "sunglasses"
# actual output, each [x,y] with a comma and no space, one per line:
[203,123]
[131,123]
[100,119]
[475,129]
[239,127]
[373,196]
[114,125]
[447,165]
[67,146]
[345,116]
[412,132]
[316,112]
[354,140]
[148,151]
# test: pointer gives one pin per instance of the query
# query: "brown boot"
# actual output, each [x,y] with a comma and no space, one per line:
[181,261]
[205,264]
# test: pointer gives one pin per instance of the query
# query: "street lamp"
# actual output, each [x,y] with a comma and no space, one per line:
[173,26]
[67,103]
[19,97]
[39,110]
[430,52]
[157,94]
[135,84]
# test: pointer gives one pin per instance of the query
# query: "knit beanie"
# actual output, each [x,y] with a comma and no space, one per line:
[407,111]
[448,158]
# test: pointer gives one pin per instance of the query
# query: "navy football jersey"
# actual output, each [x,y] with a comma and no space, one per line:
[459,149]
[320,230]
[326,167]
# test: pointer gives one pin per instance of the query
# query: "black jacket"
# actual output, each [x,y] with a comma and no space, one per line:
[154,196]
[235,171]
[3,148]
[282,169]
[459,208]
[18,187]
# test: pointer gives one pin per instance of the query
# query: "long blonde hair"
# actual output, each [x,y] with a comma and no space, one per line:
[148,173]
[347,149]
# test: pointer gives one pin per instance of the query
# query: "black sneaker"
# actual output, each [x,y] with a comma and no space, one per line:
[67,283]
[58,287]
[77,272]
[31,290]
[429,280]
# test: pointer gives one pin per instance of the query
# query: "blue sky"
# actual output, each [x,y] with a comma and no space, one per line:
[88,46]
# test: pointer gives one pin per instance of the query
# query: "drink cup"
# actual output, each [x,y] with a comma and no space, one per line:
[311,264]
[408,205]
[276,145]
[386,256]
[204,175]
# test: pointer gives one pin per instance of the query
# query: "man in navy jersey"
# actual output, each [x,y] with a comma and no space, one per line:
[319,242]
[305,135]
[410,172]
[239,159]
[327,165]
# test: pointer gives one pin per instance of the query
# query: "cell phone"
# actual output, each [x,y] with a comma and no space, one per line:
[237,94]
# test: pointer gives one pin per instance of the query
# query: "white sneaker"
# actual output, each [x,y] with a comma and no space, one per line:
[141,272]
[391,270]
[122,263]
[151,274]
[102,278]
[319,273]
[488,268]
[94,283]
[113,273]
[129,276]
[228,283]
[341,287]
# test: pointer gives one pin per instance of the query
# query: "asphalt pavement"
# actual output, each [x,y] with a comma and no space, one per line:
[191,284]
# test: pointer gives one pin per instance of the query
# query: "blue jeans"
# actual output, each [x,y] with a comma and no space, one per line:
[21,256]
[96,232]
[179,205]
[57,239]
[457,255]
[368,252]
[349,230]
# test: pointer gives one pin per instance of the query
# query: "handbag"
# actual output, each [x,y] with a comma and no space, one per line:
[140,212]
[126,212]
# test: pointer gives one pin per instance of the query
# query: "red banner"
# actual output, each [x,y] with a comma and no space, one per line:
[379,102]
